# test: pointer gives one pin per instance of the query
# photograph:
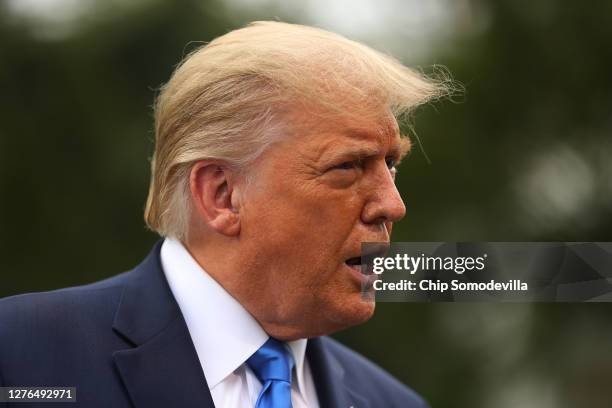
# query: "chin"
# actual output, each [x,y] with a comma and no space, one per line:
[326,318]
[353,312]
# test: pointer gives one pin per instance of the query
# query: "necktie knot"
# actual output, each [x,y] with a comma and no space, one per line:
[272,362]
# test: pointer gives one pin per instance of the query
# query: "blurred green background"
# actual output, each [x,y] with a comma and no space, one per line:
[524,155]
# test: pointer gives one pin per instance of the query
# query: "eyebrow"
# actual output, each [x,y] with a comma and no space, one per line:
[398,150]
[405,146]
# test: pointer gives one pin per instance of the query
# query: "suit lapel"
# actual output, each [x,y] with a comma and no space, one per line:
[329,379]
[162,369]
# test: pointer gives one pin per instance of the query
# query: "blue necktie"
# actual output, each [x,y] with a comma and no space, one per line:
[272,364]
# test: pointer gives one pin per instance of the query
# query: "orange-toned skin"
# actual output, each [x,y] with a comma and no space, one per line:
[279,244]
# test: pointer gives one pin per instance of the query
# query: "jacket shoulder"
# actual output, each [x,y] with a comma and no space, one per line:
[363,374]
[48,313]
[50,301]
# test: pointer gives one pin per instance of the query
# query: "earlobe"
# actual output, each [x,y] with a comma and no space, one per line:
[227,224]
[212,188]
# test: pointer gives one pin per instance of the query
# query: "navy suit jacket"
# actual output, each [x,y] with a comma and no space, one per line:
[123,342]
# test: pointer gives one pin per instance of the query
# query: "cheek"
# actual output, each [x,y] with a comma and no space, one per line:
[307,212]
[332,209]
[302,227]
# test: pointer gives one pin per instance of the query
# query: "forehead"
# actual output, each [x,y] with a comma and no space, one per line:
[374,131]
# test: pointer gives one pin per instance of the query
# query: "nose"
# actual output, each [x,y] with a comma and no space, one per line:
[385,203]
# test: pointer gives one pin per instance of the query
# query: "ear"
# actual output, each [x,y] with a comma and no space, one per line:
[214,196]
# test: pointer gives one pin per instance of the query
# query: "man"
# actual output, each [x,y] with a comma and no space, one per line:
[275,157]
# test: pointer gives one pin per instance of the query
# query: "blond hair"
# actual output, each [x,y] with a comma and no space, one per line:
[225,101]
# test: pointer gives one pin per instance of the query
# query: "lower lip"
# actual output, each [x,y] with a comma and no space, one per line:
[365,281]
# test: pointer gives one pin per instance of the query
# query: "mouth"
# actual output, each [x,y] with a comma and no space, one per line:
[357,264]
[360,263]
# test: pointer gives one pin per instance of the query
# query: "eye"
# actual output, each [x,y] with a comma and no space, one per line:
[349,165]
[391,163]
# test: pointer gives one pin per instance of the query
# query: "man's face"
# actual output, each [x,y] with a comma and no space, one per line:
[316,196]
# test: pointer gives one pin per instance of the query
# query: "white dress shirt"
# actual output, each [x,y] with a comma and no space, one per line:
[225,335]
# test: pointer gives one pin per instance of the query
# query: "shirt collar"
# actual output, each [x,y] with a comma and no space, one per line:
[223,332]
[298,349]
